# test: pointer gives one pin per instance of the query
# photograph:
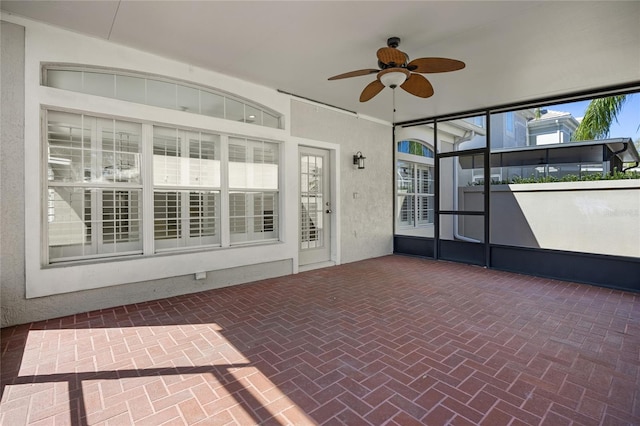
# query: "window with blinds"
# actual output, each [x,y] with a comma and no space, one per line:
[414,194]
[253,190]
[186,199]
[94,191]
[96,188]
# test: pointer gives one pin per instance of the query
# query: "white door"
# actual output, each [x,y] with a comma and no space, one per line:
[315,206]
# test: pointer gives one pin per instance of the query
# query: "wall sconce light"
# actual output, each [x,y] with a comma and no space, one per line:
[358,160]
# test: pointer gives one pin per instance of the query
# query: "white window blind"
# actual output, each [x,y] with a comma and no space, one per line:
[93,186]
[253,190]
[414,194]
[186,176]
[95,190]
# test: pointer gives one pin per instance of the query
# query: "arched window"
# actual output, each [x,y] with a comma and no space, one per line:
[415,148]
[158,91]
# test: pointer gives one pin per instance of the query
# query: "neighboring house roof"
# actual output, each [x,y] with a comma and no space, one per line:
[551,116]
[581,151]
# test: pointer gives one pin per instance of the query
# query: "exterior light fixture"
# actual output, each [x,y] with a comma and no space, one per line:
[358,160]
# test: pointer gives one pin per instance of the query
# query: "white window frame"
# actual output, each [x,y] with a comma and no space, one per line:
[45,44]
[257,184]
[95,187]
[148,187]
[415,161]
[251,112]
[185,186]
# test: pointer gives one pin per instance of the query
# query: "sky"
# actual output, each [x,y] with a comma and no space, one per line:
[628,124]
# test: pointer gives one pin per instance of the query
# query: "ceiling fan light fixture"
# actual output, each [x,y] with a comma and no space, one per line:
[394,77]
[396,70]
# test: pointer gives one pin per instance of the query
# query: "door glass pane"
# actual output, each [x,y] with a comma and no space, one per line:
[312,201]
[461,183]
[469,228]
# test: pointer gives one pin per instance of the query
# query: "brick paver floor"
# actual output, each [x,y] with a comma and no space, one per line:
[393,340]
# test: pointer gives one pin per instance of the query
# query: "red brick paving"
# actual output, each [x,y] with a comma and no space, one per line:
[393,340]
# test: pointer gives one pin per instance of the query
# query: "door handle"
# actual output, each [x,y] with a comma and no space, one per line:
[329,211]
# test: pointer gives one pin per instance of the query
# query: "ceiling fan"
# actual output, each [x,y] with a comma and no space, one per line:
[396,70]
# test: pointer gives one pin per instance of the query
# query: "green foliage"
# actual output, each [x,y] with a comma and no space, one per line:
[616,175]
[537,113]
[598,117]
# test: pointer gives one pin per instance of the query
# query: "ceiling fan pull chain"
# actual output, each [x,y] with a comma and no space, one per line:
[393,119]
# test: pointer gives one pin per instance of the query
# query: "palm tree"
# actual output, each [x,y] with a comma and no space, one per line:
[598,118]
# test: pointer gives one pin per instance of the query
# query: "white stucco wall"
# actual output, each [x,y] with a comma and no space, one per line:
[31,291]
[366,200]
[600,217]
[12,259]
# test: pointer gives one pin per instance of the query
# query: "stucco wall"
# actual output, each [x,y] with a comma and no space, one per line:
[366,218]
[15,308]
[600,217]
[12,277]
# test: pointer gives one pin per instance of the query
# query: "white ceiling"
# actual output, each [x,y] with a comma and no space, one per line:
[514,50]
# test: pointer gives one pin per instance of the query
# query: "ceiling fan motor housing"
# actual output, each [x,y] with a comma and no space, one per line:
[393,42]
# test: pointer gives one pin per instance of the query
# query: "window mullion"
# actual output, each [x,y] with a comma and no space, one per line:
[185,233]
[96,199]
[147,190]
[225,223]
[45,187]
[416,195]
[183,157]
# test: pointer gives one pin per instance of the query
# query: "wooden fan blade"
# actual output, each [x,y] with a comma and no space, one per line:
[390,55]
[371,90]
[418,85]
[354,74]
[433,65]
